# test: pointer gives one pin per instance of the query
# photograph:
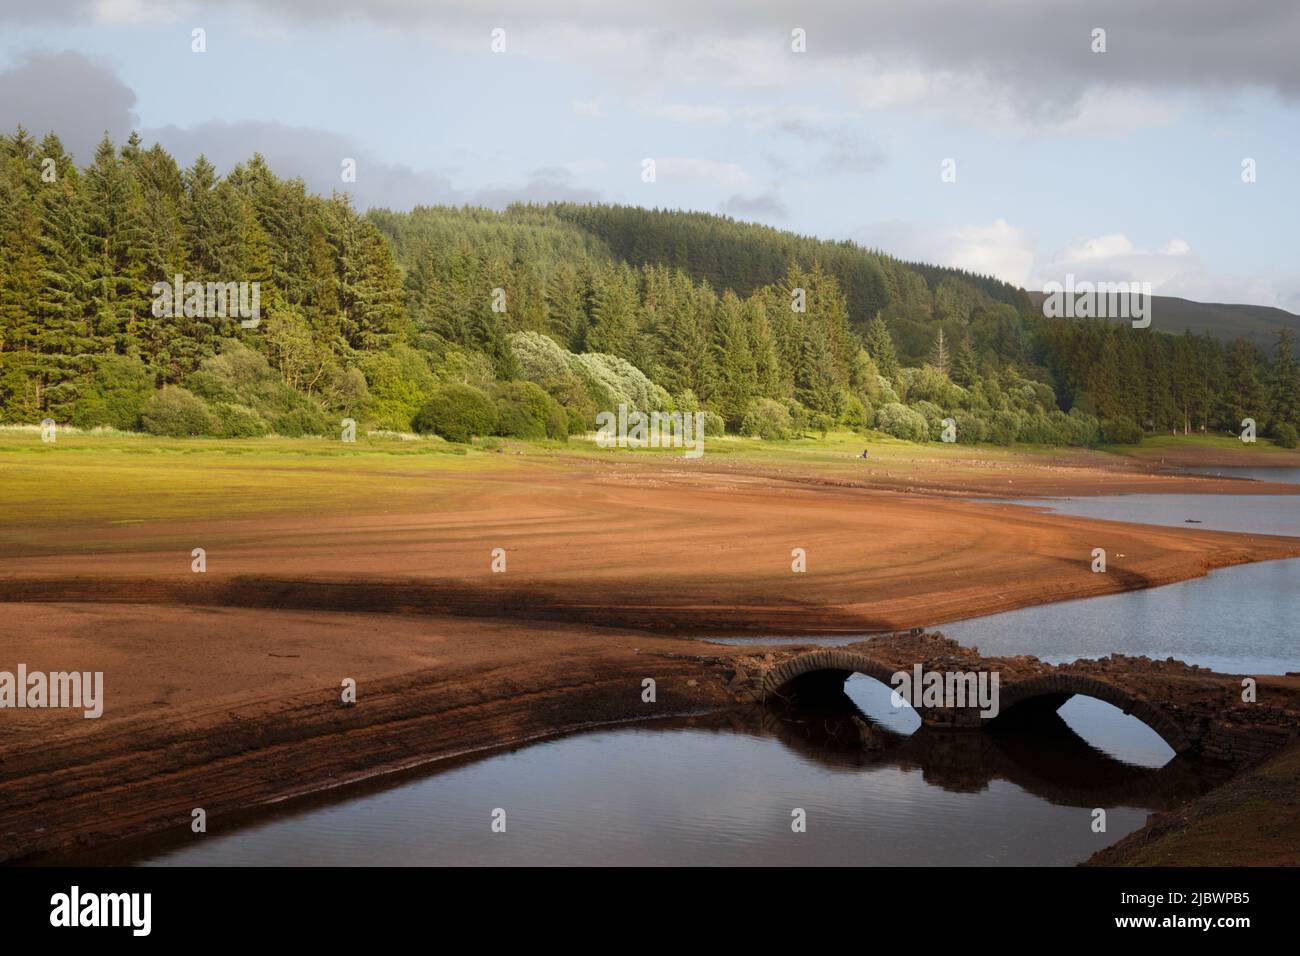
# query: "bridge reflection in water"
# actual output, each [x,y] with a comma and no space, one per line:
[1194,710]
[1043,755]
[719,788]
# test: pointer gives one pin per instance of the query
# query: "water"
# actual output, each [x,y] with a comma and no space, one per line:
[1290,476]
[1246,514]
[1239,620]
[1243,619]
[720,790]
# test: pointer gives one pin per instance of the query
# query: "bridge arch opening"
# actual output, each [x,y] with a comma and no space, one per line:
[837,679]
[1107,717]
[1106,728]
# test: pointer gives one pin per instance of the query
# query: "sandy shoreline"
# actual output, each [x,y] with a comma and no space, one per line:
[223,688]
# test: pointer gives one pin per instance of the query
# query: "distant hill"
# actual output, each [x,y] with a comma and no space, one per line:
[1256,323]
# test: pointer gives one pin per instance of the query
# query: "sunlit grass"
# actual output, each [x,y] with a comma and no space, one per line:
[112,477]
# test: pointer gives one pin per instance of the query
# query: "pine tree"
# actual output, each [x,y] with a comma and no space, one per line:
[1245,392]
[880,346]
[733,360]
[965,368]
[1284,386]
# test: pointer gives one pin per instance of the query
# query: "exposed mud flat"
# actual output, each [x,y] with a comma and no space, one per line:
[223,689]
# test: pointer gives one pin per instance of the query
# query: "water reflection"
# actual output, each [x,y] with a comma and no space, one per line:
[719,789]
[1245,514]
[1290,476]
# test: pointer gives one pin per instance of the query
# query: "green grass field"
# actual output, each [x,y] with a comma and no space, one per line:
[113,478]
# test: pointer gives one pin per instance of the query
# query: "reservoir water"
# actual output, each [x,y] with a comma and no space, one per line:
[721,790]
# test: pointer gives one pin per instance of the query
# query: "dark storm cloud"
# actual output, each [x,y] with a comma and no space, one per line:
[1040,48]
[68,94]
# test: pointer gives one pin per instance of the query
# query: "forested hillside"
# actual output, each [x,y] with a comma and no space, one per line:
[529,321]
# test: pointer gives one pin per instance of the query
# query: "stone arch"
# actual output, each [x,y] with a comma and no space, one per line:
[1066,685]
[1051,689]
[829,659]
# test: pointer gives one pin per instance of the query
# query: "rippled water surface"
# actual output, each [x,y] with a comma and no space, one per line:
[721,791]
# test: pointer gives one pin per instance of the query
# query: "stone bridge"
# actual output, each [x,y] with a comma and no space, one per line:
[1196,711]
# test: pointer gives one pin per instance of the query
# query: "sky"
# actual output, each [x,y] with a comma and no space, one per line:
[836,119]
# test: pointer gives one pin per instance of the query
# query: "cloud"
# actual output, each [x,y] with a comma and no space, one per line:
[692,113]
[711,172]
[840,151]
[552,184]
[593,107]
[1036,55]
[1173,269]
[1007,252]
[764,205]
[315,155]
[68,94]
[997,249]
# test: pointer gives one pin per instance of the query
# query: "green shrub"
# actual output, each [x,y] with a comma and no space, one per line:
[930,385]
[800,416]
[767,419]
[972,429]
[545,363]
[902,422]
[398,384]
[714,425]
[238,421]
[456,413]
[1083,428]
[612,381]
[1121,431]
[239,376]
[303,419]
[1286,436]
[524,410]
[116,394]
[933,415]
[1004,426]
[857,413]
[1038,429]
[176,412]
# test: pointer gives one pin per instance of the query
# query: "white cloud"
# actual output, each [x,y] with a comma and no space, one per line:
[594,107]
[680,169]
[139,11]
[998,249]
[691,113]
[1174,269]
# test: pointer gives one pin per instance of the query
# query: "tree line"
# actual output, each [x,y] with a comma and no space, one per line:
[528,321]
